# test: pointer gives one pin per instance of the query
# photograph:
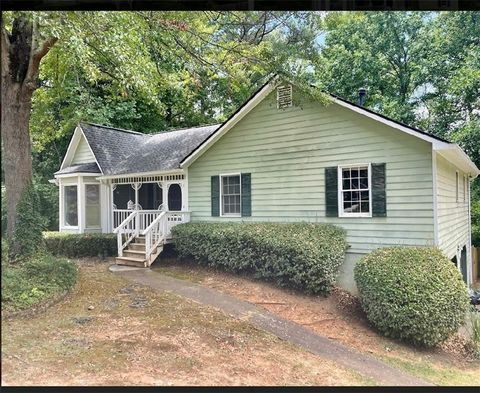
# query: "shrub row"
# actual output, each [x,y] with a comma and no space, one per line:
[415,294]
[81,245]
[27,283]
[300,255]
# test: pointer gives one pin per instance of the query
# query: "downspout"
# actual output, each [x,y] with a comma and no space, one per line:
[435,201]
[470,277]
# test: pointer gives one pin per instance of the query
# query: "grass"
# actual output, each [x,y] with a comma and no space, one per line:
[34,281]
[168,341]
[439,375]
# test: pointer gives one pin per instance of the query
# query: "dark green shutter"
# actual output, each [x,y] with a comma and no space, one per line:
[379,195]
[331,192]
[215,197]
[246,195]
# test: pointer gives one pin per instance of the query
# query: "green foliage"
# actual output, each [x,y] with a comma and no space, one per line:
[35,280]
[27,236]
[300,255]
[81,245]
[415,294]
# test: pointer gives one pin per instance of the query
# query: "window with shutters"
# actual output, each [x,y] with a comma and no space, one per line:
[284,96]
[354,190]
[230,195]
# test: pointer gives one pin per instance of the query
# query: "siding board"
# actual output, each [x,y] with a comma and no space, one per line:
[286,152]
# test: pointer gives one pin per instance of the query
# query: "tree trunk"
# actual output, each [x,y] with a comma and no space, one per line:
[17,158]
[21,54]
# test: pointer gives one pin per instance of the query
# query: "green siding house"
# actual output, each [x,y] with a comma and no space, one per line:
[282,157]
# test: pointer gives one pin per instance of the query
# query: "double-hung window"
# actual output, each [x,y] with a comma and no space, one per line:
[230,191]
[70,207]
[354,190]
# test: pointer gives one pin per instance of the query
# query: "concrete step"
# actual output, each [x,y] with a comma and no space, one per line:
[130,261]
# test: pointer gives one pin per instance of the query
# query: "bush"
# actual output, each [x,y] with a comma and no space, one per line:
[75,245]
[27,234]
[300,255]
[30,282]
[415,294]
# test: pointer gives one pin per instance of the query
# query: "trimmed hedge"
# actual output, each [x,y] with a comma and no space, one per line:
[75,245]
[300,255]
[415,294]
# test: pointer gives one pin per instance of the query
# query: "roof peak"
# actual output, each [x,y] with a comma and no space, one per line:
[150,134]
[112,128]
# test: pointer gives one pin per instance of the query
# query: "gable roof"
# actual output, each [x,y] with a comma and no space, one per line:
[118,151]
[452,151]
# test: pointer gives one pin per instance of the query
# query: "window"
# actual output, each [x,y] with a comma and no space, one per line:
[354,199]
[456,186]
[230,195]
[92,205]
[70,206]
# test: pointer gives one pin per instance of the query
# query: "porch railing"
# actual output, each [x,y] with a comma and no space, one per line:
[155,225]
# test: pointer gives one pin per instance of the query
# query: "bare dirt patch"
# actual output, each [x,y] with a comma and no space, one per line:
[110,332]
[338,317]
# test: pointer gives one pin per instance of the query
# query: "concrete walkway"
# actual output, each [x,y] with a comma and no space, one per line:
[366,365]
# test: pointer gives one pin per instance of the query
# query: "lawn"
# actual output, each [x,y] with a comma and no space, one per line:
[110,332]
[339,318]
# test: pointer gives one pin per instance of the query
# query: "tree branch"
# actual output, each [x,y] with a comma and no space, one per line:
[37,56]
[5,51]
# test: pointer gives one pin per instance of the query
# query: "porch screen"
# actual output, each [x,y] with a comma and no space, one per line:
[92,205]
[70,206]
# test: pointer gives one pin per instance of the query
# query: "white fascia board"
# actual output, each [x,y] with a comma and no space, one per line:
[267,89]
[139,174]
[435,142]
[75,174]
[53,181]
[454,154]
[91,151]
[72,146]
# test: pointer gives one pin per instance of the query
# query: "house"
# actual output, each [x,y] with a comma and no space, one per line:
[283,156]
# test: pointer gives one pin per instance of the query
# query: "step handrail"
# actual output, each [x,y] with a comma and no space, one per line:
[129,228]
[154,234]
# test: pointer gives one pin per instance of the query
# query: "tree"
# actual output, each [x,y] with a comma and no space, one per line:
[125,67]
[22,50]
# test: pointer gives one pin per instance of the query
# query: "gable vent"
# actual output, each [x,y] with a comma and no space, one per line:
[284,96]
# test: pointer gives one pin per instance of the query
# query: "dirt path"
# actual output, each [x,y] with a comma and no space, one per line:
[110,331]
[285,329]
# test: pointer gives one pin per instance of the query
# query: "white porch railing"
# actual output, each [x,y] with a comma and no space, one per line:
[126,232]
[155,225]
[154,235]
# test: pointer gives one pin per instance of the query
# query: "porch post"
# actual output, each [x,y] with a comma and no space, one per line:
[165,195]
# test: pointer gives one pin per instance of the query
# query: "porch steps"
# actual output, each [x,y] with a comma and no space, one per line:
[134,254]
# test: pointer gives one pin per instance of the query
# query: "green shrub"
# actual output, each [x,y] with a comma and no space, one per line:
[415,294]
[27,235]
[300,255]
[34,280]
[78,245]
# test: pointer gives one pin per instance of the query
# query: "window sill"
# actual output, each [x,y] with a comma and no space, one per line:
[354,215]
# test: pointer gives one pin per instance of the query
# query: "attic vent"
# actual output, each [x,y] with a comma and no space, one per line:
[284,96]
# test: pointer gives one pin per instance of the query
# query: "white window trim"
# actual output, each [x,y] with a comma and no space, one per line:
[90,183]
[221,176]
[64,225]
[341,213]
[457,187]
[465,188]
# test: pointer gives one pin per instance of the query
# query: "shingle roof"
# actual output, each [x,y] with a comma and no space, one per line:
[89,167]
[121,151]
